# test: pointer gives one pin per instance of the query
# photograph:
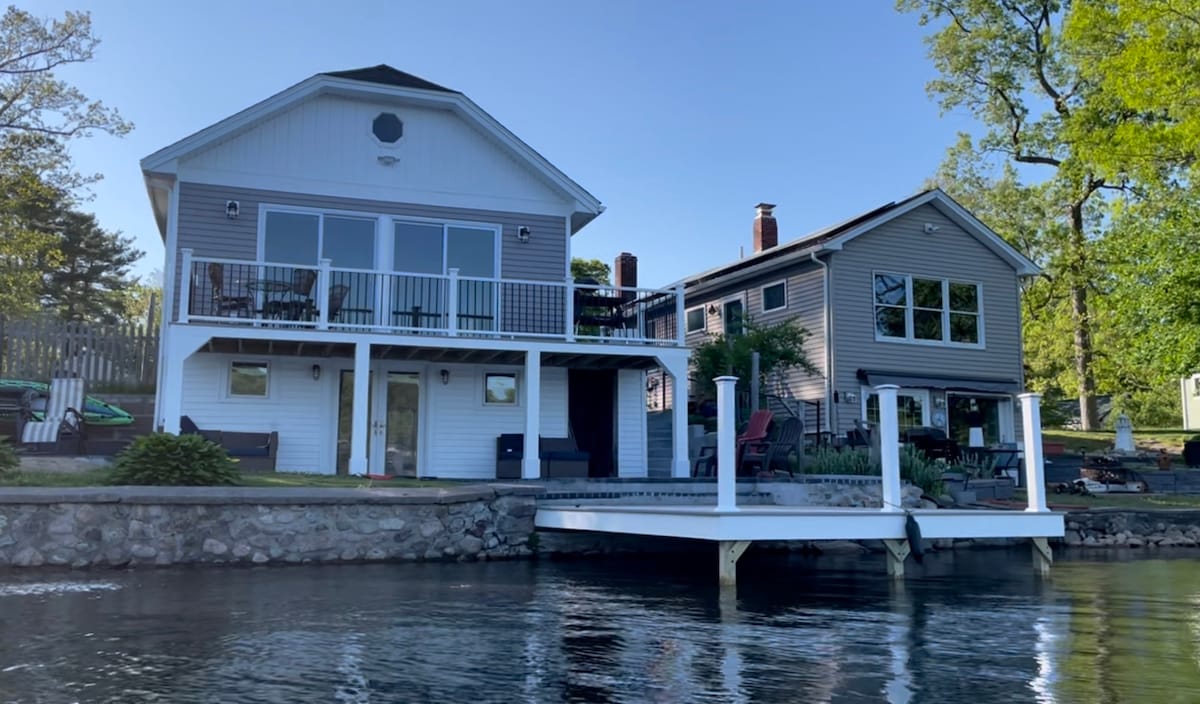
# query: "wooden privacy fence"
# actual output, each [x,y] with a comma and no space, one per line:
[113,358]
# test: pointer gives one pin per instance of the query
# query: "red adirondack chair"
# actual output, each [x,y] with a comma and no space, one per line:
[755,432]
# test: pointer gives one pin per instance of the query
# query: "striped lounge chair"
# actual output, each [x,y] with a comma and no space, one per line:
[62,419]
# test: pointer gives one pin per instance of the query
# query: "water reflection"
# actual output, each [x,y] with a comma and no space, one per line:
[967,627]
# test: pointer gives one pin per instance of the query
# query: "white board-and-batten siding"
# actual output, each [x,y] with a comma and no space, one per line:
[457,436]
[463,430]
[631,423]
[325,145]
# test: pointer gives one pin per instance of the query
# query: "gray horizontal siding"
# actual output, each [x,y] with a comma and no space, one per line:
[204,227]
[804,306]
[901,246]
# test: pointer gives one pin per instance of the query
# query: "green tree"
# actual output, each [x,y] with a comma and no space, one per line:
[1004,61]
[39,114]
[36,101]
[780,348]
[1144,55]
[590,269]
[91,279]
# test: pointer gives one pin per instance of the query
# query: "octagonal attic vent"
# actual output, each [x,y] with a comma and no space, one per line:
[387,128]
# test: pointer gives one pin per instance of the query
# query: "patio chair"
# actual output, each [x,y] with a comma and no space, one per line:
[62,420]
[756,431]
[223,304]
[775,455]
[337,298]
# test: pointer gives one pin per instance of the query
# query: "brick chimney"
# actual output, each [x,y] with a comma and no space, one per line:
[625,270]
[766,230]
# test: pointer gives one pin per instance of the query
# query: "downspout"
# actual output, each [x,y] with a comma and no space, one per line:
[828,332]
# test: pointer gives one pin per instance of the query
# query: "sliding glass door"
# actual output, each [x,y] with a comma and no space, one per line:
[432,249]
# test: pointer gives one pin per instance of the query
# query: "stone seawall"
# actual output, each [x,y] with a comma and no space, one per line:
[122,526]
[1134,529]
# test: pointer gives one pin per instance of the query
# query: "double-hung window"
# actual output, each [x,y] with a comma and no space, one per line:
[927,310]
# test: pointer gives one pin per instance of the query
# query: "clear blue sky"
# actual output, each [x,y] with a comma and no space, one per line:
[679,116]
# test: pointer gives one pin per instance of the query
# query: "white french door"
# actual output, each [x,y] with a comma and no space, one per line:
[394,422]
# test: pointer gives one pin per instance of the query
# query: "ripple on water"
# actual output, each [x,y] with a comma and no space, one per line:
[40,588]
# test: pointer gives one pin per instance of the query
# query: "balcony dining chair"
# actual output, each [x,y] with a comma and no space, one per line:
[62,421]
[337,298]
[301,303]
[223,304]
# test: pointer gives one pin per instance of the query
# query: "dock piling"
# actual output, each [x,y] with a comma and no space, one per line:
[728,552]
[897,553]
[1043,557]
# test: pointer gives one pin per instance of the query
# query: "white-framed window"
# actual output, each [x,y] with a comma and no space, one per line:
[927,310]
[774,296]
[500,389]
[1196,386]
[695,319]
[249,379]
[912,407]
[733,316]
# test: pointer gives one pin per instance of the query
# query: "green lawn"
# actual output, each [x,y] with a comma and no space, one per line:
[1149,439]
[100,477]
[1120,500]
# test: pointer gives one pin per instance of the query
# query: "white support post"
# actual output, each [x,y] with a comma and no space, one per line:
[531,464]
[185,285]
[171,395]
[324,281]
[451,304]
[570,309]
[360,415]
[726,441]
[680,315]
[889,446]
[1035,469]
[681,463]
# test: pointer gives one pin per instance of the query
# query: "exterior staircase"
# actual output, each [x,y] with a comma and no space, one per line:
[658,443]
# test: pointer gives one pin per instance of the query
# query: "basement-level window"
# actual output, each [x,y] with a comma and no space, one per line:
[248,379]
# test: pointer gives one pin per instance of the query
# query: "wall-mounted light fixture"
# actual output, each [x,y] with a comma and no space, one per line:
[930,228]
[522,234]
[713,309]
[232,207]
[445,377]
[316,372]
[939,401]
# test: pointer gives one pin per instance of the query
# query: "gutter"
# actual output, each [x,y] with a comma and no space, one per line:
[828,332]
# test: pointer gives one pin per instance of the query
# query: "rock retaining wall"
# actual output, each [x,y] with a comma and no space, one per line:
[1135,529]
[164,526]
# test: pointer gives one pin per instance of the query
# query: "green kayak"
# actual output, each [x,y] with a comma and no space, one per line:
[95,411]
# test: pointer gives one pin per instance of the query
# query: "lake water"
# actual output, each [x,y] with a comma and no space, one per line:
[974,627]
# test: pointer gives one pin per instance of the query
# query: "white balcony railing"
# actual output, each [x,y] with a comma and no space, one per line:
[257,293]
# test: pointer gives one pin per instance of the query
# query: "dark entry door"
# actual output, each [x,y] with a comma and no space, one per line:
[591,411]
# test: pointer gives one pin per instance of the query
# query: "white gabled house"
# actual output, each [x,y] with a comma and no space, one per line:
[373,267]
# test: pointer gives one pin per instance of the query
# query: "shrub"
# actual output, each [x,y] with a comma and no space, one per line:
[174,460]
[914,466]
[9,461]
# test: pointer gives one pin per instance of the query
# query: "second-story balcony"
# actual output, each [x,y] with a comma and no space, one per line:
[259,293]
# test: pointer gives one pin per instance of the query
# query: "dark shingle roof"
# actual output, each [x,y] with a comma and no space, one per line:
[810,241]
[388,76]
